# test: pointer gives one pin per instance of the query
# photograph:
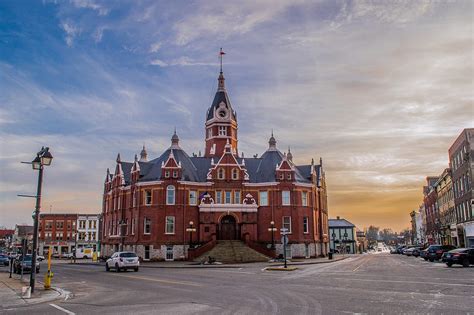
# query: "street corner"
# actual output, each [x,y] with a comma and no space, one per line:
[13,292]
[280,269]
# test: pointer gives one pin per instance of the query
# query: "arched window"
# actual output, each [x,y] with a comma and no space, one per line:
[170,195]
[220,173]
[235,173]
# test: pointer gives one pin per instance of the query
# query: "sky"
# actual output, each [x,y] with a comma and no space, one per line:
[378,89]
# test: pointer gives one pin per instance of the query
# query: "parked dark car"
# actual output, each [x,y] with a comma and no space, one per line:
[416,252]
[434,252]
[460,256]
[410,250]
[424,254]
[25,265]
[4,260]
[400,249]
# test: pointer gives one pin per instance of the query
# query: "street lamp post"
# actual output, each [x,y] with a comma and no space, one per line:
[345,243]
[333,242]
[191,229]
[272,229]
[43,158]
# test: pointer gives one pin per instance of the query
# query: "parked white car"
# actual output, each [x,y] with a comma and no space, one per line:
[122,261]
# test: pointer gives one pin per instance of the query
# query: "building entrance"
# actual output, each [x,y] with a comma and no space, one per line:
[227,228]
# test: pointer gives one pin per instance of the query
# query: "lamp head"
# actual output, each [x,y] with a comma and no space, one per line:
[47,157]
[36,163]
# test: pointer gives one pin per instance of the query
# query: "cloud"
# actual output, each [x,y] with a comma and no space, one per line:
[90,4]
[71,32]
[158,62]
[221,20]
[155,47]
[181,61]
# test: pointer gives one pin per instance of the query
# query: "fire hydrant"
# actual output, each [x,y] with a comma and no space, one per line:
[47,279]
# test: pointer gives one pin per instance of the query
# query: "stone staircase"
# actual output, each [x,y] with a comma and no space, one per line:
[233,252]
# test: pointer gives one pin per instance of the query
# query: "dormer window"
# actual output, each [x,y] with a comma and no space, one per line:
[220,173]
[222,131]
[167,174]
[235,173]
[175,174]
[282,176]
[288,176]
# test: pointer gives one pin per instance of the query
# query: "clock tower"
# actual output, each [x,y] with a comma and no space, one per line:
[221,123]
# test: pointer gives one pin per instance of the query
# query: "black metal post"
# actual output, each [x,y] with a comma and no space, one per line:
[11,266]
[35,230]
[284,250]
[273,235]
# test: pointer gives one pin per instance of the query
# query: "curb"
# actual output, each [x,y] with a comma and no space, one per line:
[312,263]
[280,269]
[221,266]
[193,267]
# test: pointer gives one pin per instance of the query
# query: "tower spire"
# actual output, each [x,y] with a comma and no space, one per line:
[221,85]
[221,54]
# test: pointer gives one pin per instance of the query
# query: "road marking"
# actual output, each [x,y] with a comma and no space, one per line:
[363,262]
[414,282]
[162,281]
[62,309]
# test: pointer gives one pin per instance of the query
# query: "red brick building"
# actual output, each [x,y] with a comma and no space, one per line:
[59,231]
[148,205]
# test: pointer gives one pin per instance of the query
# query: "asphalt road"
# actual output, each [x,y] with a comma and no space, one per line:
[370,284]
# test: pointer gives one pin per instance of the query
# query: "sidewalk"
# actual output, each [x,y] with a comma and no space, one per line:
[10,291]
[190,264]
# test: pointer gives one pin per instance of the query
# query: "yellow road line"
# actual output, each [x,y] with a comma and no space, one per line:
[363,262]
[162,280]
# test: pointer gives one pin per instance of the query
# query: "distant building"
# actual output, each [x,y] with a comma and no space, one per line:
[420,225]
[362,242]
[88,230]
[342,235]
[461,161]
[59,231]
[6,236]
[433,223]
[22,232]
[445,205]
[413,226]
[67,231]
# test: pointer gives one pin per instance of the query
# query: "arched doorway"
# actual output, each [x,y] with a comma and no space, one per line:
[228,228]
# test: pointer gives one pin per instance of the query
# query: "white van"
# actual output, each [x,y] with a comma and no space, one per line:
[83,253]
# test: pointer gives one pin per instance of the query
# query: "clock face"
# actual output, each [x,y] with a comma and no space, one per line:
[222,113]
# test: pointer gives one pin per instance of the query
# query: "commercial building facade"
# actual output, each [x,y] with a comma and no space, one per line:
[445,205]
[343,236]
[88,231]
[66,231]
[462,163]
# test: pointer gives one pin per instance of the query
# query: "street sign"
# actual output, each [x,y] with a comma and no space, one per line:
[284,231]
[284,239]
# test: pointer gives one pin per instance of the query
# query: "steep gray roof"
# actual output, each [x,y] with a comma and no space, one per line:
[340,223]
[195,169]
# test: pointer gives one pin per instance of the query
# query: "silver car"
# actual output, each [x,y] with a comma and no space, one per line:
[122,261]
